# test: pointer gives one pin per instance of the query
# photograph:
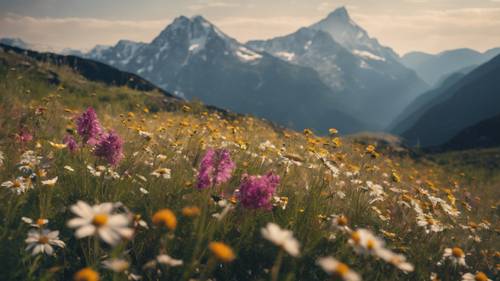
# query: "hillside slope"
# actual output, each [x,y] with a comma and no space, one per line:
[472,98]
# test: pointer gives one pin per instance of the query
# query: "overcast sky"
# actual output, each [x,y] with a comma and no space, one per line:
[404,25]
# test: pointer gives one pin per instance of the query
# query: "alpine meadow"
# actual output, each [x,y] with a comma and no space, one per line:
[315,153]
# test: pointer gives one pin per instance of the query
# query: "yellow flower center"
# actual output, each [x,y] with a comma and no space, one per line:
[100,220]
[16,184]
[356,237]
[165,217]
[370,244]
[342,221]
[40,222]
[86,274]
[43,240]
[222,251]
[342,269]
[191,211]
[457,252]
[481,277]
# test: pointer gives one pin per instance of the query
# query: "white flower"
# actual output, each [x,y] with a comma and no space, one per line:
[143,190]
[161,157]
[19,185]
[365,242]
[397,260]
[69,168]
[455,255]
[42,241]
[479,276]
[98,220]
[168,260]
[116,265]
[429,223]
[161,172]
[334,267]
[165,260]
[38,223]
[50,182]
[282,238]
[339,222]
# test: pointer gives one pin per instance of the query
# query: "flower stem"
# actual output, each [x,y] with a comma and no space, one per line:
[277,266]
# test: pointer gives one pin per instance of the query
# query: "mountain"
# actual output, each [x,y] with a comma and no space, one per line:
[194,59]
[371,82]
[118,55]
[420,105]
[353,37]
[89,69]
[462,101]
[16,42]
[433,67]
[484,134]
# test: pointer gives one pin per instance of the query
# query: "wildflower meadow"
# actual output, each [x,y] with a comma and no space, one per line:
[103,183]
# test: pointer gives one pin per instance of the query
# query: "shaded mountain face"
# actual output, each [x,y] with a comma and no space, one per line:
[372,83]
[194,59]
[454,106]
[432,68]
[484,134]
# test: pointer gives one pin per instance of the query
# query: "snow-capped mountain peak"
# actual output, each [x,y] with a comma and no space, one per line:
[352,36]
[339,14]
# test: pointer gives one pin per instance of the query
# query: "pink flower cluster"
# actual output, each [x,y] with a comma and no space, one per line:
[88,126]
[216,168]
[108,146]
[256,192]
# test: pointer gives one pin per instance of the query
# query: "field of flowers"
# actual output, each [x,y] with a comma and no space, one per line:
[100,183]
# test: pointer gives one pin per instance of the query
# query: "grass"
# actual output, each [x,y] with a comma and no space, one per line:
[310,183]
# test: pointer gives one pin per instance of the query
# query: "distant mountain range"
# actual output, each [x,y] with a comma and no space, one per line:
[373,84]
[329,74]
[462,101]
[195,60]
[432,68]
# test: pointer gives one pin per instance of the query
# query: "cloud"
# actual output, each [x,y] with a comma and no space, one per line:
[434,30]
[203,5]
[78,32]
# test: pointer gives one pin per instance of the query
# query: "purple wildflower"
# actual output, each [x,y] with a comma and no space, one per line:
[110,147]
[24,136]
[88,126]
[216,168]
[256,192]
[71,143]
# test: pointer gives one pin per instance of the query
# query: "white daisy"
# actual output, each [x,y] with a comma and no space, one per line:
[397,260]
[282,238]
[19,185]
[69,168]
[161,172]
[334,267]
[164,260]
[43,241]
[50,182]
[98,220]
[38,223]
[455,255]
[479,276]
[365,242]
[116,265]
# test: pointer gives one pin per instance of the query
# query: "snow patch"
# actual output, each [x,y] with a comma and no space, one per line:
[286,55]
[308,44]
[247,55]
[193,47]
[367,55]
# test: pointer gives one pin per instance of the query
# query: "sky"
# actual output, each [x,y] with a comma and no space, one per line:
[404,25]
